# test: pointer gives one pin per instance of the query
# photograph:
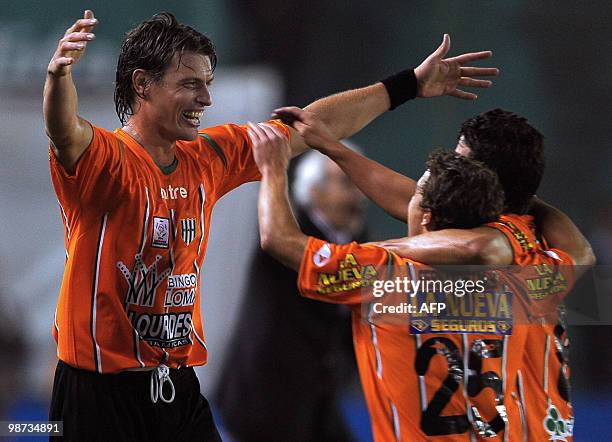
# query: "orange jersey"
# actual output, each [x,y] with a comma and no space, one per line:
[543,388]
[135,240]
[429,386]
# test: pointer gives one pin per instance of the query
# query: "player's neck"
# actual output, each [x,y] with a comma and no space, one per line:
[161,150]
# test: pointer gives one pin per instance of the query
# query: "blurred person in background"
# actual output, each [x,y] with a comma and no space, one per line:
[290,358]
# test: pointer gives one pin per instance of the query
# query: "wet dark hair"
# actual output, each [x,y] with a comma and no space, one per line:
[513,149]
[151,46]
[460,192]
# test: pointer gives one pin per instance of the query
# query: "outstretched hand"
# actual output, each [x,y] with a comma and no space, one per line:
[72,46]
[270,147]
[314,132]
[437,76]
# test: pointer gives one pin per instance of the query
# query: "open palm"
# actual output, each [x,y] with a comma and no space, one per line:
[437,76]
[72,46]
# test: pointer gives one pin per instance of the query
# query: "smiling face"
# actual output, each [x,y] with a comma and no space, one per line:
[173,105]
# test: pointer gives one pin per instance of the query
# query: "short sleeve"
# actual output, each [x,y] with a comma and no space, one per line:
[565,266]
[235,161]
[94,180]
[547,282]
[343,274]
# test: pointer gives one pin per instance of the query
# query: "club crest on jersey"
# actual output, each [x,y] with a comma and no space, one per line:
[188,230]
[322,256]
[161,233]
[559,429]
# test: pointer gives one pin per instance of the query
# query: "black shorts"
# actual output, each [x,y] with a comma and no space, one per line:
[118,407]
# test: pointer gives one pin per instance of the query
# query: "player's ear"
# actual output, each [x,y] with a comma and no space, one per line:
[426,220]
[140,82]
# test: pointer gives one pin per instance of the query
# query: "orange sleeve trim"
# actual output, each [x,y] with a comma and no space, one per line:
[564,260]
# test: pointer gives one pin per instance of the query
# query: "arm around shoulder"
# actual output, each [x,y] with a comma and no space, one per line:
[479,246]
[561,233]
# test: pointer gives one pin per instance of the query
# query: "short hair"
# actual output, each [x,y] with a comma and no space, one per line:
[460,192]
[507,144]
[310,172]
[151,46]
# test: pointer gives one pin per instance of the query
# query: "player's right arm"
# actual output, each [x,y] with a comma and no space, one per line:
[328,272]
[392,192]
[348,273]
[388,189]
[69,134]
[279,233]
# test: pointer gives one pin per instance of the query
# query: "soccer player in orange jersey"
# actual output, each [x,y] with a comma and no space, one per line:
[510,146]
[136,204]
[465,392]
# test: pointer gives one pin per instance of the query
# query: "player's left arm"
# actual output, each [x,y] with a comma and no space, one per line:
[279,233]
[478,246]
[346,113]
[561,233]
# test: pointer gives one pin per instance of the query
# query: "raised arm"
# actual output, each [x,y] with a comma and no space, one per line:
[392,192]
[487,246]
[279,233]
[386,188]
[561,233]
[348,112]
[69,133]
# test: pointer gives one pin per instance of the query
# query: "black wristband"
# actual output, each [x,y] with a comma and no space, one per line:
[401,87]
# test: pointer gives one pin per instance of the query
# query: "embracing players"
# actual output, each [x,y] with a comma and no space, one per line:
[446,386]
[510,146]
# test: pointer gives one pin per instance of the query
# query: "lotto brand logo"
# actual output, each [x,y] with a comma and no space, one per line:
[172,193]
